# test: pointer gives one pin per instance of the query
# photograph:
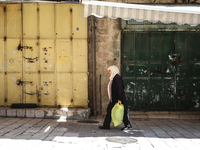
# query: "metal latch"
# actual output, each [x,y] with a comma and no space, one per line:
[18,82]
[31,60]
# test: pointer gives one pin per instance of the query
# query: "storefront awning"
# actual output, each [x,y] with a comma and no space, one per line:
[180,14]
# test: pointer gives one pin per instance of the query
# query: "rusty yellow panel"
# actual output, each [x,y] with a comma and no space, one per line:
[2,72]
[1,55]
[47,62]
[63,56]
[14,90]
[79,56]
[64,89]
[2,88]
[47,91]
[46,20]
[14,56]
[2,20]
[80,89]
[79,24]
[14,25]
[30,20]
[30,88]
[30,56]
[63,21]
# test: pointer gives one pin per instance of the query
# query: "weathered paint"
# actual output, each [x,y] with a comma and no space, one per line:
[161,70]
[43,54]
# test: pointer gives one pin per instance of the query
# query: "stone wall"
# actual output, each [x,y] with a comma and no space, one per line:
[108,37]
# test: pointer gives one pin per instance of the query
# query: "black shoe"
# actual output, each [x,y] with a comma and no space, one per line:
[102,127]
[128,127]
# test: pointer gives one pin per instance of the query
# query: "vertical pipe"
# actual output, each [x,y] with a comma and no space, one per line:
[100,93]
[94,65]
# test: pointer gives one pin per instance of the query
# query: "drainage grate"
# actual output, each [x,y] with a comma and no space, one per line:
[122,140]
[87,121]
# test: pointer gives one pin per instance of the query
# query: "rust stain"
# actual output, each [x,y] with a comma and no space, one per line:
[71,38]
[19,47]
[44,49]
[28,47]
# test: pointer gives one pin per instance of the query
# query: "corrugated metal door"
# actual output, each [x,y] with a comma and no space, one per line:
[46,54]
[157,66]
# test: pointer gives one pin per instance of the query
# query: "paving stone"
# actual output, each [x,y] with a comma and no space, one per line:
[39,113]
[3,112]
[21,113]
[11,112]
[23,133]
[30,113]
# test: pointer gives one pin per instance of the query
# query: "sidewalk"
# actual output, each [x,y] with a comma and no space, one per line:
[49,134]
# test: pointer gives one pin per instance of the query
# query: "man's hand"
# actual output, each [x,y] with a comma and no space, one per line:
[119,101]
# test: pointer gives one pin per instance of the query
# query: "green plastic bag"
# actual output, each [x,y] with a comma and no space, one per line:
[117,114]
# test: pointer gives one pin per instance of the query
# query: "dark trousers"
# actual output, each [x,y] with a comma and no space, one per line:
[107,119]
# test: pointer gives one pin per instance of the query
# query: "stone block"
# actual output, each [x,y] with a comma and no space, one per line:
[140,116]
[53,113]
[30,113]
[3,112]
[70,112]
[21,113]
[57,113]
[48,113]
[39,113]
[164,116]
[11,112]
[189,116]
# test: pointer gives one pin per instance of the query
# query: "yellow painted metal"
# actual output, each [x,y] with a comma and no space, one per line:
[30,71]
[14,94]
[47,89]
[2,89]
[14,16]
[63,56]
[2,20]
[79,56]
[1,71]
[14,71]
[46,48]
[1,55]
[80,81]
[30,54]
[79,23]
[47,71]
[30,22]
[14,56]
[46,20]
[30,88]
[64,89]
[47,61]
[80,72]
[62,21]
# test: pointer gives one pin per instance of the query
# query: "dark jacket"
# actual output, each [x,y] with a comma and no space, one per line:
[118,91]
